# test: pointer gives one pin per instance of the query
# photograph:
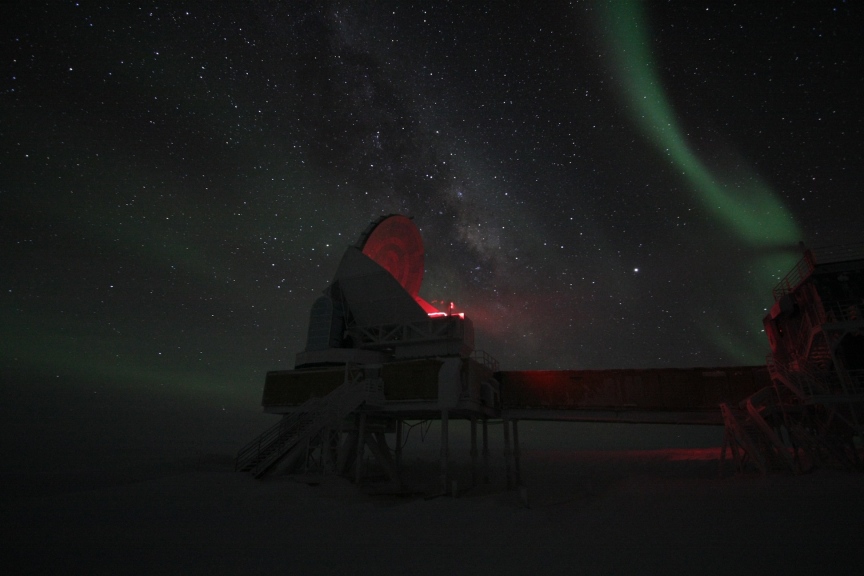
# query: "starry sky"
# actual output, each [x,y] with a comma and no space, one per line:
[599,184]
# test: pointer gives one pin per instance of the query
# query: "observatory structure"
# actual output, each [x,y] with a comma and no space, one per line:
[379,356]
[813,412]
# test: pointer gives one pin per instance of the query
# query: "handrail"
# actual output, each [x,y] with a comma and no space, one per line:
[804,337]
[778,371]
[823,255]
[844,311]
[806,382]
[251,450]
[857,379]
[309,419]
[743,439]
[800,272]
[338,403]
[486,359]
[772,437]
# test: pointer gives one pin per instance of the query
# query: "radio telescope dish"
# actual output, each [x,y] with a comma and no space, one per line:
[395,244]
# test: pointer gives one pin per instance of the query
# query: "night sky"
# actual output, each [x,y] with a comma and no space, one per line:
[598,184]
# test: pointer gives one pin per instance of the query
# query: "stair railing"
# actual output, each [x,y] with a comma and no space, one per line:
[778,371]
[485,359]
[774,443]
[795,277]
[310,419]
[736,433]
[251,451]
[848,311]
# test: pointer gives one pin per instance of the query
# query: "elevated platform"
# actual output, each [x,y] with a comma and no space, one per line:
[417,389]
[816,332]
[628,416]
[447,388]
[661,396]
[420,389]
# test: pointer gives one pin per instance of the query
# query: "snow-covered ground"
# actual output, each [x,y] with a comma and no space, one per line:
[92,490]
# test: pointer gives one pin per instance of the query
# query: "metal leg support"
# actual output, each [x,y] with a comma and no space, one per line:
[361,443]
[473,451]
[486,466]
[445,451]
[507,454]
[516,464]
[398,448]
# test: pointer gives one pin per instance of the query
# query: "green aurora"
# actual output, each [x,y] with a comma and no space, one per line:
[746,206]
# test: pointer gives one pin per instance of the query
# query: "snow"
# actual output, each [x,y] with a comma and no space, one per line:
[601,499]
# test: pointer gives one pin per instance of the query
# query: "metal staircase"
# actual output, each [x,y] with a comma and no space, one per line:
[822,448]
[751,438]
[816,365]
[292,436]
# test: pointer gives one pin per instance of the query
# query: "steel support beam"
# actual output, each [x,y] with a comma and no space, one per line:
[507,455]
[445,451]
[517,468]
[398,447]
[361,444]
[473,451]
[486,466]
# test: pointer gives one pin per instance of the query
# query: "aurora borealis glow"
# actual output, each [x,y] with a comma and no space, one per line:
[740,200]
[753,212]
[599,184]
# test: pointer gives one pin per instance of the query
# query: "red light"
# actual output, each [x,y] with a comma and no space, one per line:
[451,311]
[442,314]
[427,307]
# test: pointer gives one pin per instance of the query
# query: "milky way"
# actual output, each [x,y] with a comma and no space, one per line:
[598,185]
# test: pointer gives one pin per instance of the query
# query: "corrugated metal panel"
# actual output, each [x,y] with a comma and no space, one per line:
[293,387]
[411,380]
[659,389]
